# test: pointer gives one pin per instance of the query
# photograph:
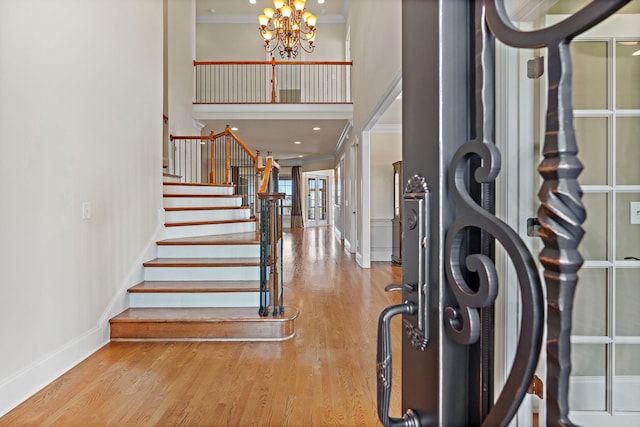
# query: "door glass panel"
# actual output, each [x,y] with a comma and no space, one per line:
[594,244]
[590,304]
[590,71]
[628,302]
[322,202]
[587,391]
[628,149]
[591,133]
[627,234]
[627,378]
[627,75]
[311,199]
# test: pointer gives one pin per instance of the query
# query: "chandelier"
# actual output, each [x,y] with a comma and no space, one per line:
[288,27]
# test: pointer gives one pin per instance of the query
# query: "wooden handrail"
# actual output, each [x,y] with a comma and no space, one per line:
[228,131]
[195,63]
[196,137]
[267,174]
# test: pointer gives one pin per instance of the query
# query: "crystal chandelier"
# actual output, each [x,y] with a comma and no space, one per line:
[288,27]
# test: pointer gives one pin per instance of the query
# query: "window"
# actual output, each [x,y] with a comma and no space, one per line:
[286,186]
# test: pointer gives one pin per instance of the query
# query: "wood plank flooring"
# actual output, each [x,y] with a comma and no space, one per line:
[324,376]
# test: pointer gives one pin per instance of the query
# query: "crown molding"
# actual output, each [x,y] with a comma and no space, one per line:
[387,128]
[253,19]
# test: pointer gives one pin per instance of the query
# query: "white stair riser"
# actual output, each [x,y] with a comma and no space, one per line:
[205,215]
[195,189]
[191,299]
[209,251]
[170,179]
[207,229]
[196,202]
[201,273]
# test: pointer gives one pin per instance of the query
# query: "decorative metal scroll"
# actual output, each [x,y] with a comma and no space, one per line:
[561,213]
[463,322]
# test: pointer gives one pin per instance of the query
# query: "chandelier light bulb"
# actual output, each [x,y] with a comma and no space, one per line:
[306,15]
[311,21]
[263,20]
[298,4]
[286,11]
[268,12]
[267,35]
[278,3]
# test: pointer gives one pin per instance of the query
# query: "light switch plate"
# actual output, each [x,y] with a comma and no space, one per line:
[634,213]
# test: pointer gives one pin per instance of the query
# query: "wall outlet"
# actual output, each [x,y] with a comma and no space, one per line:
[634,213]
[86,210]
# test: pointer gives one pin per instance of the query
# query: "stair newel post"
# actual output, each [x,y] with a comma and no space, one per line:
[212,166]
[258,163]
[227,163]
[274,255]
[280,251]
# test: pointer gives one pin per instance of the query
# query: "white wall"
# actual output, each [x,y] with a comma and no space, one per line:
[386,148]
[376,53]
[377,66]
[242,42]
[80,112]
[181,51]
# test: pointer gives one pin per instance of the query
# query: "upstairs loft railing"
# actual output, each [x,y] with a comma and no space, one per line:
[272,82]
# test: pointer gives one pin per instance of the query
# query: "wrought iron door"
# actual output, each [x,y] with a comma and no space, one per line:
[450,230]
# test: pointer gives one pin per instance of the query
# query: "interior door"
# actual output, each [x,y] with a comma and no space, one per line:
[317,200]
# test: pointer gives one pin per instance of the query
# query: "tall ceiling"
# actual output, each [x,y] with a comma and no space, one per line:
[279,136]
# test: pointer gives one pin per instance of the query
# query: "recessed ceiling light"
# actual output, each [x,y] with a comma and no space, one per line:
[316,128]
[234,129]
[300,155]
[212,10]
[320,1]
[297,142]
[636,53]
[252,1]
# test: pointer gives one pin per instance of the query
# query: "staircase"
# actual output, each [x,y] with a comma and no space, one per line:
[205,282]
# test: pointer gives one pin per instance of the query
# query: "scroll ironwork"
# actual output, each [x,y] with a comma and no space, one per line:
[561,213]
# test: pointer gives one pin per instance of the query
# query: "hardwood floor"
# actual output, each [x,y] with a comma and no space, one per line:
[325,375]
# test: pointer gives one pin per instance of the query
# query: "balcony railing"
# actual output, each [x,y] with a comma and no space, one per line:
[272,82]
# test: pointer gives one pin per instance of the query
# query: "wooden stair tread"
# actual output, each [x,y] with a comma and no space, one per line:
[203,262]
[197,184]
[196,286]
[246,238]
[223,221]
[202,324]
[200,314]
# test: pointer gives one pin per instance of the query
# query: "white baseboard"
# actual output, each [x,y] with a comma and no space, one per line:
[25,383]
[381,254]
[120,300]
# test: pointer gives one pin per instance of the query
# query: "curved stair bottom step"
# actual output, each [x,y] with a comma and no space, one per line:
[202,324]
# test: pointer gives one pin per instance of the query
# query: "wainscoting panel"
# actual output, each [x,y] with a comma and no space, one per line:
[381,239]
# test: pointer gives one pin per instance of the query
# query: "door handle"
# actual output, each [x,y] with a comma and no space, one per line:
[385,368]
[417,198]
